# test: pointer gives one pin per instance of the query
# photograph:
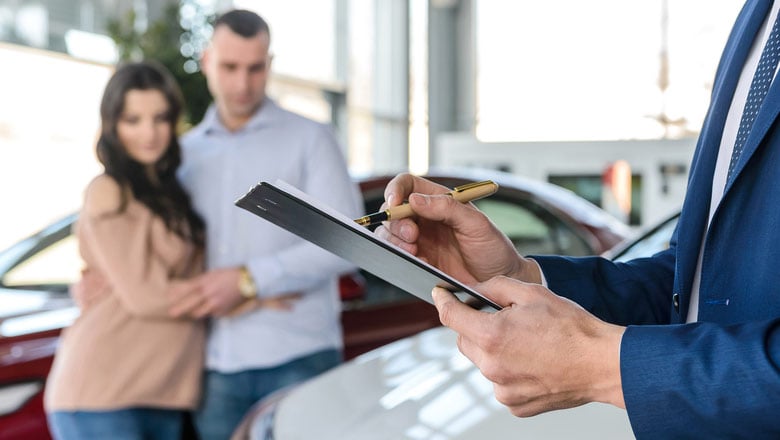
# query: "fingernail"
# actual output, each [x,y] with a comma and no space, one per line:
[420,199]
[390,199]
[406,232]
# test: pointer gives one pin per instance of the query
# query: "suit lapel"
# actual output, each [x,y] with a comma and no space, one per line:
[696,205]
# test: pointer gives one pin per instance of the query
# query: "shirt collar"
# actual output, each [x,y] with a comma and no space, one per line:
[264,115]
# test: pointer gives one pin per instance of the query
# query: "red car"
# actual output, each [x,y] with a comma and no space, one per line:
[34,274]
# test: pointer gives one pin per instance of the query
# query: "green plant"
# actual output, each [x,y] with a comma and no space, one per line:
[173,42]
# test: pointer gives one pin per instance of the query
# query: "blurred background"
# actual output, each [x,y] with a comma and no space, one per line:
[577,93]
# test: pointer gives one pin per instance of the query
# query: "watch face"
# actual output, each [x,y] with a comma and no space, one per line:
[245,284]
[246,290]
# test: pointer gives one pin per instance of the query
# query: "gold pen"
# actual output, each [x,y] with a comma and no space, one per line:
[463,194]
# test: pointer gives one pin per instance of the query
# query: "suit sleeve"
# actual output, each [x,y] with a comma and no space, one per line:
[634,292]
[700,380]
[703,380]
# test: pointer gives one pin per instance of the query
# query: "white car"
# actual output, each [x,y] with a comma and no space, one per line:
[420,387]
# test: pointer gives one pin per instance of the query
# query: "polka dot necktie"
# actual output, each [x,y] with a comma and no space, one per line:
[762,79]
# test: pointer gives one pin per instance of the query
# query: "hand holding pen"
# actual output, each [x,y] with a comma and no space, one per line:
[463,194]
[454,237]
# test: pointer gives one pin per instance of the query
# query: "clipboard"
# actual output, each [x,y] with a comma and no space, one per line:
[290,209]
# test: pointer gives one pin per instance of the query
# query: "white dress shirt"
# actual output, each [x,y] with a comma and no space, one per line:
[219,166]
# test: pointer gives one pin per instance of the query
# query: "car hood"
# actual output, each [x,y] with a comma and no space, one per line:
[28,311]
[422,387]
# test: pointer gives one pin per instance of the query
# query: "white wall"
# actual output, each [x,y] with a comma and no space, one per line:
[48,125]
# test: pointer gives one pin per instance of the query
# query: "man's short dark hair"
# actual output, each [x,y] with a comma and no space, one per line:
[243,22]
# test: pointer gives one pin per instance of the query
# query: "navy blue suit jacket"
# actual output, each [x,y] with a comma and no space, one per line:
[719,377]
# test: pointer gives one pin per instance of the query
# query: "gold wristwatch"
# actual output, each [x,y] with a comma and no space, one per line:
[246,285]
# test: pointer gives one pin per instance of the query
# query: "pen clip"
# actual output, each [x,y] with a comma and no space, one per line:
[471,185]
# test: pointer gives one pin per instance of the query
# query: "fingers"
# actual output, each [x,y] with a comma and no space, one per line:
[205,308]
[467,322]
[478,331]
[402,233]
[427,199]
[542,352]
[483,339]
[183,296]
[399,188]
[211,293]
[506,291]
[445,209]
[185,305]
[475,325]
[244,307]
[277,304]
[440,208]
[219,290]
[289,297]
[458,316]
[283,303]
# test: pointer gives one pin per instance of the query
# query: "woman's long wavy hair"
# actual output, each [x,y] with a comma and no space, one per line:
[165,196]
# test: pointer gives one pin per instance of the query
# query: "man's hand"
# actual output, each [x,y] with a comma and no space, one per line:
[214,293]
[541,351]
[282,302]
[452,236]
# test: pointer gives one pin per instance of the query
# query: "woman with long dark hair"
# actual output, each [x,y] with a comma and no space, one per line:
[126,368]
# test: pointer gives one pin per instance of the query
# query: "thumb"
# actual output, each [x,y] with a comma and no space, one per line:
[460,317]
[444,208]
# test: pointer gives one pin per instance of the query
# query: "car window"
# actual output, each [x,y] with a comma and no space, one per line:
[53,267]
[653,242]
[532,229]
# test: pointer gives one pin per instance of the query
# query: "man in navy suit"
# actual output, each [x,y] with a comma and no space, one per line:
[688,340]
